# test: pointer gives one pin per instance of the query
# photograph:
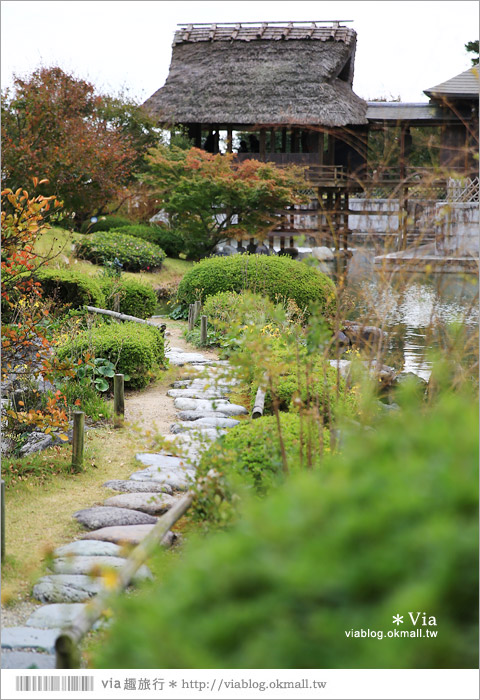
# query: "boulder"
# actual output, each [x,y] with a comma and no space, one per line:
[362,335]
[322,253]
[66,588]
[102,516]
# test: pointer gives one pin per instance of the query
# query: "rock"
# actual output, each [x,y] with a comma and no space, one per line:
[88,549]
[412,377]
[342,340]
[128,534]
[138,486]
[66,588]
[36,442]
[93,565]
[322,253]
[146,502]
[27,659]
[180,481]
[180,359]
[344,367]
[55,615]
[208,422]
[102,516]
[361,335]
[195,415]
[384,373]
[29,638]
[219,405]
[195,394]
[161,461]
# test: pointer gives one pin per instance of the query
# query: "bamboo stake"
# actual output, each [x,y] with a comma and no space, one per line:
[118,400]
[66,648]
[78,436]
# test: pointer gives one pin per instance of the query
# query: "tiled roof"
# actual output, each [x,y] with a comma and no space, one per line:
[464,85]
[272,31]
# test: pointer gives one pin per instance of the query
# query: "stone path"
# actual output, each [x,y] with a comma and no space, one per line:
[204,413]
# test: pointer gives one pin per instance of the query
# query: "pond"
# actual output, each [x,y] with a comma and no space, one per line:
[413,308]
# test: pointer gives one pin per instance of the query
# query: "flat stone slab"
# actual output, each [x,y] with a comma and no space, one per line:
[94,565]
[88,549]
[195,415]
[161,461]
[129,486]
[183,358]
[195,393]
[207,422]
[152,503]
[126,534]
[66,588]
[27,659]
[180,481]
[104,516]
[217,405]
[29,638]
[55,615]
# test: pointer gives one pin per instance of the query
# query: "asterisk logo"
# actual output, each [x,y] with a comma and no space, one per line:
[173,684]
[398,619]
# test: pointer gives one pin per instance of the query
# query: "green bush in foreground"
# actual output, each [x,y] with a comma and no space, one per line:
[70,287]
[252,451]
[136,299]
[134,349]
[388,527]
[133,253]
[162,236]
[278,278]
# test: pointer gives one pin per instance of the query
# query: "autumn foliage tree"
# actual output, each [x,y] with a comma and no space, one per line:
[214,197]
[86,145]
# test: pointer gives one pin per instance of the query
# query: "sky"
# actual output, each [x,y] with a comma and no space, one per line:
[403,47]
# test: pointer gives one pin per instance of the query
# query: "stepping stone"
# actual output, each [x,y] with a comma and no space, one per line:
[209,422]
[29,638]
[195,415]
[138,486]
[55,615]
[103,516]
[195,394]
[161,461]
[217,405]
[128,534]
[27,659]
[66,588]
[94,565]
[183,358]
[180,481]
[88,549]
[152,503]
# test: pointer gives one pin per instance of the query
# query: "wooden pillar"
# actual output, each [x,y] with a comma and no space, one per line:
[118,400]
[78,437]
[263,144]
[272,140]
[229,140]
[216,141]
[295,144]
[284,140]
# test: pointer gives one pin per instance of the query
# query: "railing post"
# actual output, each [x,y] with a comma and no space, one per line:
[118,400]
[2,523]
[198,308]
[78,435]
[203,336]
[191,317]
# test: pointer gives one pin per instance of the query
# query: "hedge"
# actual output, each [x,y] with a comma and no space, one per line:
[390,526]
[134,349]
[279,278]
[105,223]
[162,236]
[133,253]
[136,299]
[71,287]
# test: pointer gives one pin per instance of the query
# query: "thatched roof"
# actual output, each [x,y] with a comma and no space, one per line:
[294,74]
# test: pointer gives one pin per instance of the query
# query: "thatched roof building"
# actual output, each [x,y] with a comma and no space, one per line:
[272,74]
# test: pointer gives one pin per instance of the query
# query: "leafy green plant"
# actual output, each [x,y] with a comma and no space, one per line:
[278,278]
[134,298]
[389,526]
[133,349]
[163,236]
[70,287]
[133,253]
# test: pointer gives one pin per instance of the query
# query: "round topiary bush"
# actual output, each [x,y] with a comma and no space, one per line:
[252,449]
[162,236]
[135,349]
[279,278]
[70,287]
[389,526]
[104,223]
[135,298]
[133,253]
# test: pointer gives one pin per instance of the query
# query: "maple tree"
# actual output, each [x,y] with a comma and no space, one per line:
[214,197]
[85,144]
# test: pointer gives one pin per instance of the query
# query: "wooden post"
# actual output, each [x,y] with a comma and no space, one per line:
[229,140]
[263,139]
[118,400]
[78,435]
[116,302]
[2,523]
[191,314]
[259,404]
[203,336]
[197,309]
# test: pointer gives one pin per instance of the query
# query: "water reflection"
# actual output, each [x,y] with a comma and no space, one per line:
[411,308]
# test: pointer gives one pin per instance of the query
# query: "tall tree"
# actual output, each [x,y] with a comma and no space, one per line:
[472,47]
[87,146]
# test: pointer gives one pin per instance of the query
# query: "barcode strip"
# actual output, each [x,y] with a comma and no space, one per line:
[54,683]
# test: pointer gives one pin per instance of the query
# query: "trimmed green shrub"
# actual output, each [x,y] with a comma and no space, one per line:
[133,253]
[136,299]
[279,278]
[71,287]
[390,526]
[105,223]
[252,449]
[135,349]
[162,236]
